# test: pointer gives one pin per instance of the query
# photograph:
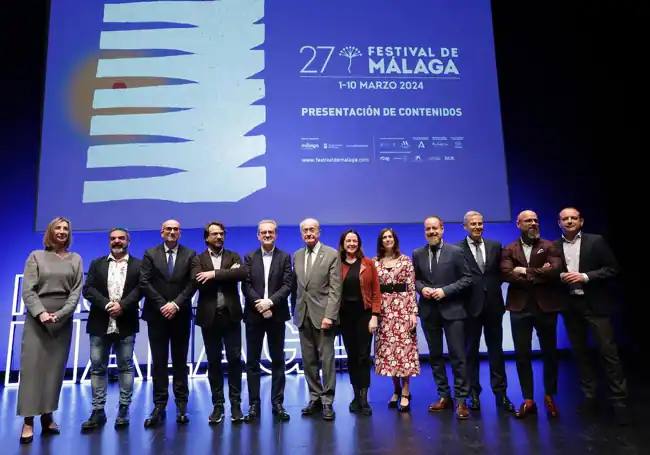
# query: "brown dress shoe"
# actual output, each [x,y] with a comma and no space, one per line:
[526,409]
[442,403]
[462,412]
[551,408]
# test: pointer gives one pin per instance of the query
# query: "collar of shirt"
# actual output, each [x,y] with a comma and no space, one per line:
[470,241]
[214,254]
[314,250]
[173,250]
[575,239]
[528,245]
[112,258]
[267,253]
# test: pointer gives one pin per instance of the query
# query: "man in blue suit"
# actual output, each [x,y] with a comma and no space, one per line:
[442,277]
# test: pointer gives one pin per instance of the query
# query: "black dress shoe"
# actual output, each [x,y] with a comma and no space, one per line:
[253,413]
[312,407]
[122,419]
[217,415]
[366,410]
[181,414]
[97,419]
[621,415]
[157,416]
[504,403]
[327,412]
[473,402]
[280,413]
[236,416]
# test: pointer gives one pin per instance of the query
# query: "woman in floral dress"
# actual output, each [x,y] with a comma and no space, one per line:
[396,348]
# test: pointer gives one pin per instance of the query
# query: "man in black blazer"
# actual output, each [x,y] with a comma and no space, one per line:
[266,291]
[217,272]
[588,268]
[112,289]
[485,310]
[442,278]
[168,288]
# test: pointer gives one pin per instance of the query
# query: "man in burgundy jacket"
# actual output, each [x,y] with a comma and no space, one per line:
[531,265]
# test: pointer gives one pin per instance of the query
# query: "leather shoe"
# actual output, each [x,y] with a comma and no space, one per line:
[97,419]
[253,413]
[312,407]
[328,412]
[181,414]
[156,417]
[393,403]
[462,413]
[26,439]
[504,403]
[280,413]
[122,419]
[407,406]
[528,407]
[473,402]
[621,415]
[442,403]
[217,415]
[236,416]
[48,425]
[551,407]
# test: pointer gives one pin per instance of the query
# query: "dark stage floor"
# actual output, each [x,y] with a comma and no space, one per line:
[387,431]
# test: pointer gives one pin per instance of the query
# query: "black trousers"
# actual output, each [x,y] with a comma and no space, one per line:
[545,324]
[434,326]
[578,323]
[357,340]
[215,338]
[162,336]
[274,331]
[489,323]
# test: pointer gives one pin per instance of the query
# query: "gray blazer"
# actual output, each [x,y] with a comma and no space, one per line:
[320,295]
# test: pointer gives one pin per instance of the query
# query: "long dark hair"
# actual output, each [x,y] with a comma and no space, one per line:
[359,254]
[381,251]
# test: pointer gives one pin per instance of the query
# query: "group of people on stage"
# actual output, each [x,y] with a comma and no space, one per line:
[331,291]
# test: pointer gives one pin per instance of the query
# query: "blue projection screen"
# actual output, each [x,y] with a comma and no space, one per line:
[365,111]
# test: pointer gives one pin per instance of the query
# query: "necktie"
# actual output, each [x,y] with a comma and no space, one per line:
[479,256]
[433,263]
[310,251]
[170,263]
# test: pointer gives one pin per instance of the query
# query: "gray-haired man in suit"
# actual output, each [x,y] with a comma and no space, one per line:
[317,298]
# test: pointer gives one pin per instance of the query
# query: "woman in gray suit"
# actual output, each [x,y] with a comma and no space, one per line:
[51,288]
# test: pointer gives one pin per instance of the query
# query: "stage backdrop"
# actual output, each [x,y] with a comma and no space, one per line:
[359,113]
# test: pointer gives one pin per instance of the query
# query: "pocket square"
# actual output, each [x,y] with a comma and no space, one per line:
[541,250]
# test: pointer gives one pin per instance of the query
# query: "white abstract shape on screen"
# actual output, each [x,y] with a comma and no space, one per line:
[215,105]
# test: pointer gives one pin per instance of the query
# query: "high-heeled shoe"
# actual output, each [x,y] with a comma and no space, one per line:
[46,422]
[406,408]
[26,439]
[393,403]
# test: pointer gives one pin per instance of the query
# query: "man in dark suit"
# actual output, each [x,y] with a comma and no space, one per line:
[485,310]
[588,268]
[266,291]
[442,278]
[317,299]
[532,267]
[168,288]
[217,272]
[112,288]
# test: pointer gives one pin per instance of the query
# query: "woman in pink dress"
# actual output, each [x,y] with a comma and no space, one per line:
[396,348]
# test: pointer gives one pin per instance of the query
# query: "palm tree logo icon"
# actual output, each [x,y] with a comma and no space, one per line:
[350,52]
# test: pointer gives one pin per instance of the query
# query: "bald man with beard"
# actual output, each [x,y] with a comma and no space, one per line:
[166,282]
[532,265]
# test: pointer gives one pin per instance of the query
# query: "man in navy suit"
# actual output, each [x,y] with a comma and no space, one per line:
[485,310]
[266,291]
[112,288]
[442,278]
[588,268]
[168,288]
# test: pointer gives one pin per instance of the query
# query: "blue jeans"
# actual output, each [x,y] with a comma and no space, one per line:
[100,348]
